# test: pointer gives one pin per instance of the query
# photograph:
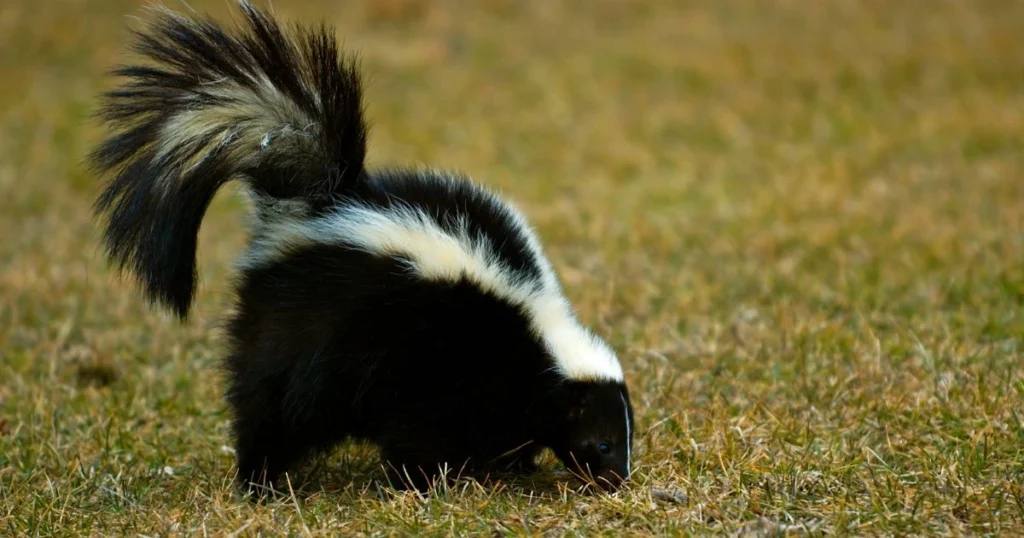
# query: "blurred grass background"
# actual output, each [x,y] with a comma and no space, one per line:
[800,223]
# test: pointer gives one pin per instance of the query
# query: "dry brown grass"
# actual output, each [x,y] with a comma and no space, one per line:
[802,224]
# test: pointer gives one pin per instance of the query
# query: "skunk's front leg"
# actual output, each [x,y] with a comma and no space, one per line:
[421,468]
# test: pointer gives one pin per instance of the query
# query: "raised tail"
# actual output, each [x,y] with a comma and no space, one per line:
[279,110]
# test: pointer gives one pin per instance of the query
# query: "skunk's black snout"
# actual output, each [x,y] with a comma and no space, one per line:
[609,473]
[611,480]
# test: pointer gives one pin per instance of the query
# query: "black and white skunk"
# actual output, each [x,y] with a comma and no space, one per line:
[408,308]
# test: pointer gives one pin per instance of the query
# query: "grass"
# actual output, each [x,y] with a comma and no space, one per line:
[801,224]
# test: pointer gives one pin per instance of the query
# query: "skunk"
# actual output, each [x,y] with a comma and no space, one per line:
[411,309]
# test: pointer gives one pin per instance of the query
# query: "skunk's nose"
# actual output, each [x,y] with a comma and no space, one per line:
[610,480]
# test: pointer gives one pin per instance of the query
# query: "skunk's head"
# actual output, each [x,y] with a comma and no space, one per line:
[593,435]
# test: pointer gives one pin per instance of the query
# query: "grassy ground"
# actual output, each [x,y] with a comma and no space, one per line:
[801,224]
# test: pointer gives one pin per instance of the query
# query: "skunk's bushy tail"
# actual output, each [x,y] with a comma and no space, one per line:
[279,110]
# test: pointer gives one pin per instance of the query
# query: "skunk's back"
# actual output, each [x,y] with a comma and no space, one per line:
[441,228]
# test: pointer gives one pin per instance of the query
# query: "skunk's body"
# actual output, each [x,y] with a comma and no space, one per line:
[409,308]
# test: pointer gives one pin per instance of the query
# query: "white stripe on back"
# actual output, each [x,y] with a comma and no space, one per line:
[437,254]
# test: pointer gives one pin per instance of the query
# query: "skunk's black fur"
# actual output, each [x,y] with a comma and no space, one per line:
[412,309]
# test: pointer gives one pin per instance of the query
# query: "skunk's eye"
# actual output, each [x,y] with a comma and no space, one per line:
[605,448]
